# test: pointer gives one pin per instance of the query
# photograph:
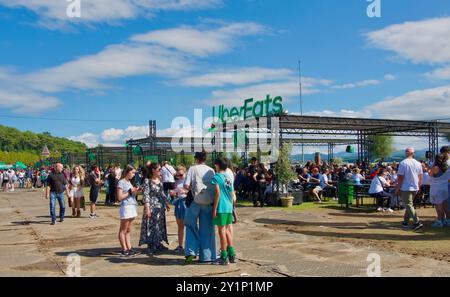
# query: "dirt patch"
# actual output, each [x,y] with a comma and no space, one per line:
[71,241]
[98,228]
[371,230]
[40,266]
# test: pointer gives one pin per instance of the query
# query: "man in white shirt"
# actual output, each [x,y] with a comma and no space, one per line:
[11,179]
[410,175]
[168,177]
[21,177]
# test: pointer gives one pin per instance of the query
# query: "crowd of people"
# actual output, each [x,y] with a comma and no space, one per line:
[23,179]
[203,197]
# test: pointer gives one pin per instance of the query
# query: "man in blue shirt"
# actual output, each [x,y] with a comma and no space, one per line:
[317,178]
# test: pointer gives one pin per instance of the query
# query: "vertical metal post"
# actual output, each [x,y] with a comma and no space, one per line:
[258,149]
[224,138]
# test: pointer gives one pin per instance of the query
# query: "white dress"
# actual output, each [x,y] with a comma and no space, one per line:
[439,188]
[77,190]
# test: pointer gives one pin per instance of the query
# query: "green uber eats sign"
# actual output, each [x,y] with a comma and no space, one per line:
[250,109]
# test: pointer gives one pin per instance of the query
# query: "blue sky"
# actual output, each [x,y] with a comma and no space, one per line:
[127,61]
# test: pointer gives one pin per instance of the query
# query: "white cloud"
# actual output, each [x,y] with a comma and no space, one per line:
[90,72]
[440,73]
[358,84]
[285,89]
[91,140]
[136,132]
[344,113]
[424,104]
[52,13]
[390,77]
[96,71]
[117,137]
[424,41]
[115,61]
[241,76]
[25,102]
[201,42]
[112,134]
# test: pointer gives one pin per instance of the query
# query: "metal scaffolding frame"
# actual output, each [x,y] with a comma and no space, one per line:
[315,131]
[298,130]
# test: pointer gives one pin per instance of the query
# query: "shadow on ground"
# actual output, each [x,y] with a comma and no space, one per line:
[294,226]
[113,255]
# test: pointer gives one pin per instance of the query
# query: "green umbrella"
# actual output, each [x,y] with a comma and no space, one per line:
[20,165]
[5,167]
[350,149]
[137,150]
[92,157]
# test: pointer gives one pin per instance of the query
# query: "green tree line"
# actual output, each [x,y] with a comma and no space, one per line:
[25,157]
[27,146]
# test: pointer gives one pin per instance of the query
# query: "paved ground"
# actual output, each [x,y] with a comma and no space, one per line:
[270,242]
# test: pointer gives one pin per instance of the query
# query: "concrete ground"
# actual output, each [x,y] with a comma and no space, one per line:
[270,242]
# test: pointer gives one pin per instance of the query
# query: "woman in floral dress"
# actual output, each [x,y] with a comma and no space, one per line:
[153,228]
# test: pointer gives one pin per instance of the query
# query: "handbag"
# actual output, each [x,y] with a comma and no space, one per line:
[189,199]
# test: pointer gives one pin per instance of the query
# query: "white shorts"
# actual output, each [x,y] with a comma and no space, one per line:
[128,212]
[77,194]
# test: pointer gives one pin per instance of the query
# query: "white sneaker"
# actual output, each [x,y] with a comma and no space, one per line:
[438,224]
[389,210]
[380,209]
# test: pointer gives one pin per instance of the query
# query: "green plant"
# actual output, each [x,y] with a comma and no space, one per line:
[338,161]
[236,159]
[283,169]
[382,146]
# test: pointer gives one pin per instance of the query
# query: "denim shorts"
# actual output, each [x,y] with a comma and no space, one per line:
[448,196]
[180,208]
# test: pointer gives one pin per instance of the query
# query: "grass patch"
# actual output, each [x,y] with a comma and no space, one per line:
[368,206]
[305,206]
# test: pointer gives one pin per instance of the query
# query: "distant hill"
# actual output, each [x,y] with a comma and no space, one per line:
[351,158]
[14,140]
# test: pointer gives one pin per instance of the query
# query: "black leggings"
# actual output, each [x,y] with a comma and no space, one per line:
[260,188]
[381,198]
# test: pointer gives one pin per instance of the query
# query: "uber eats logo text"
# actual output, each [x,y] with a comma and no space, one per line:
[250,109]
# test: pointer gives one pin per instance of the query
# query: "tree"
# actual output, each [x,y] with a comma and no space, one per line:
[338,161]
[382,146]
[236,159]
[283,169]
[13,140]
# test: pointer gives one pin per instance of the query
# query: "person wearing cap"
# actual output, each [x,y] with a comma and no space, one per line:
[410,175]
